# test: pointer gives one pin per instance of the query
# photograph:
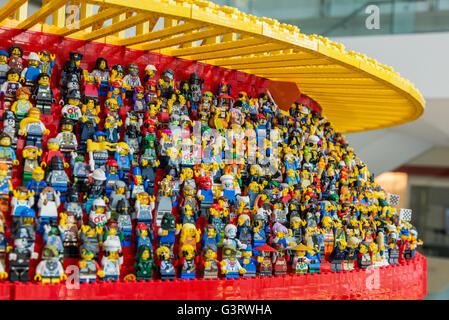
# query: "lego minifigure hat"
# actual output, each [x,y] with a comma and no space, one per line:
[33,56]
[136,171]
[226,178]
[150,67]
[4,53]
[76,56]
[100,133]
[141,226]
[99,174]
[112,163]
[9,115]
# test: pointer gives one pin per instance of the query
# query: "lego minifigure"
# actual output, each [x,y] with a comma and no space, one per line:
[144,264]
[188,262]
[101,72]
[33,128]
[167,231]
[52,236]
[118,194]
[30,155]
[111,261]
[190,236]
[364,258]
[29,74]
[5,189]
[230,266]
[89,121]
[90,235]
[99,213]
[165,263]
[71,109]
[22,203]
[10,123]
[66,139]
[131,79]
[57,178]
[50,269]
[166,84]
[136,185]
[80,172]
[124,222]
[4,67]
[123,156]
[144,207]
[15,57]
[19,257]
[300,264]
[22,105]
[98,150]
[43,93]
[230,234]
[9,87]
[68,227]
[338,255]
[144,236]
[89,269]
[96,189]
[91,85]
[46,61]
[314,260]
[7,153]
[53,151]
[205,195]
[49,201]
[248,262]
[210,262]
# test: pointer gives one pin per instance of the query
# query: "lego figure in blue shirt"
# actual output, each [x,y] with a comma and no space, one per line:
[144,235]
[30,73]
[4,67]
[205,195]
[248,262]
[210,237]
[37,183]
[260,231]
[112,176]
[167,231]
[123,156]
[314,257]
[47,61]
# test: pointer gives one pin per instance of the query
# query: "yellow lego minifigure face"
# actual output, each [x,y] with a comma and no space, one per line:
[144,233]
[102,64]
[150,72]
[5,141]
[3,59]
[33,63]
[90,232]
[38,174]
[23,96]
[86,254]
[113,169]
[113,255]
[45,81]
[110,122]
[120,190]
[163,253]
[31,153]
[13,77]
[66,127]
[90,104]
[211,232]
[100,210]
[210,254]
[300,253]
[140,95]
[188,252]
[145,255]
[112,232]
[112,104]
[3,172]
[280,235]
[247,254]
[138,179]
[52,146]
[15,52]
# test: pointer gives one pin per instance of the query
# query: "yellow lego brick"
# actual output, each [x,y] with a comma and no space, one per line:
[10,7]
[236,52]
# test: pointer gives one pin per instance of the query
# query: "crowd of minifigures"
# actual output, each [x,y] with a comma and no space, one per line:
[191,183]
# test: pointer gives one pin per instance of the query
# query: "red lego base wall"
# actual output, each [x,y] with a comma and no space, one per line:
[404,281]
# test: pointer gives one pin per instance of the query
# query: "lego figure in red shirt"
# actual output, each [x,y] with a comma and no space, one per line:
[53,150]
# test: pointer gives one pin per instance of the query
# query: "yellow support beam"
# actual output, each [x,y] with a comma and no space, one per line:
[86,11]
[116,27]
[213,48]
[22,12]
[280,64]
[236,52]
[159,34]
[116,20]
[10,8]
[89,21]
[187,37]
[264,59]
[42,13]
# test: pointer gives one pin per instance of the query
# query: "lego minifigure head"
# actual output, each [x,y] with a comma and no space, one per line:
[229,253]
[142,230]
[100,136]
[101,64]
[76,56]
[4,55]
[112,166]
[13,75]
[326,222]
[66,125]
[163,253]
[119,187]
[44,55]
[23,93]
[31,152]
[5,140]
[168,75]
[38,174]
[188,251]
[52,144]
[144,253]
[15,51]
[247,252]
[132,69]
[150,70]
[43,79]
[230,231]
[33,60]
[119,69]
[50,252]
[86,254]
[209,252]
[279,230]
[188,230]
[112,104]
[168,221]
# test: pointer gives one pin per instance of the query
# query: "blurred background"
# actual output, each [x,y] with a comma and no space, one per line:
[410,160]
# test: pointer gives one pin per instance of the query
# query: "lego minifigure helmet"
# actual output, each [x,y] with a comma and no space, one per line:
[33,56]
[119,184]
[137,171]
[169,73]
[150,67]
[116,84]
[118,68]
[98,203]
[132,69]
[9,115]
[21,233]
[99,174]
[57,163]
[75,56]
[100,133]
[74,94]
[168,221]
[4,53]
[112,163]
[141,226]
